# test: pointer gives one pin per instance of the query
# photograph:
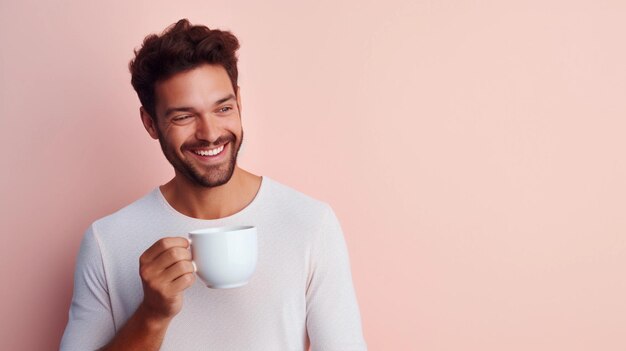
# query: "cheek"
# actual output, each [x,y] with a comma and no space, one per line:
[234,126]
[176,136]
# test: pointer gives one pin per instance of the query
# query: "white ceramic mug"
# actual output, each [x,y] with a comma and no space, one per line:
[224,257]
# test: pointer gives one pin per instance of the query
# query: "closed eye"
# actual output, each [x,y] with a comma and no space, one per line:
[180,118]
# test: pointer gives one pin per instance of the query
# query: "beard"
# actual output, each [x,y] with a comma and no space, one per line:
[207,176]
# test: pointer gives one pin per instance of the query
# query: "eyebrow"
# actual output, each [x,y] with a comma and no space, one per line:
[223,100]
[171,110]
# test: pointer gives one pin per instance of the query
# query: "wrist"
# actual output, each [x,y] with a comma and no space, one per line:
[151,320]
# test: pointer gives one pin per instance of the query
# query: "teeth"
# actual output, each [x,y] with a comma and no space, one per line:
[211,152]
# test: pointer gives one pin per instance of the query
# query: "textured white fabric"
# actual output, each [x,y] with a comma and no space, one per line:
[301,293]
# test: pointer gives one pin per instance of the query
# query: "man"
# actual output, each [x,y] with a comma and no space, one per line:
[134,285]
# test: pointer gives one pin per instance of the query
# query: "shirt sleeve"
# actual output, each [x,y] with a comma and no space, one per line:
[90,325]
[333,319]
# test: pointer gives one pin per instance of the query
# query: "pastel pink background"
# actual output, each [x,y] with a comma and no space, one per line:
[474,152]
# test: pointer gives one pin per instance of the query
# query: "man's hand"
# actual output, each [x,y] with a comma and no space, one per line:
[166,271]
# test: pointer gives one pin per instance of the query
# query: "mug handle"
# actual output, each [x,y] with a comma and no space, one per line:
[195,268]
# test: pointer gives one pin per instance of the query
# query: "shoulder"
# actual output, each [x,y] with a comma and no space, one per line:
[285,199]
[139,210]
[285,196]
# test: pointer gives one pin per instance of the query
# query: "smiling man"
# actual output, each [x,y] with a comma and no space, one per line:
[134,285]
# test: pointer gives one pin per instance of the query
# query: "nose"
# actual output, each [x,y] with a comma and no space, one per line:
[207,128]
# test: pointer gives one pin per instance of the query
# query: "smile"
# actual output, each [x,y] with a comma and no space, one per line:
[210,152]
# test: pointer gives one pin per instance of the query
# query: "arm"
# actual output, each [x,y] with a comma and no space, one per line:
[90,324]
[141,332]
[333,318]
[166,271]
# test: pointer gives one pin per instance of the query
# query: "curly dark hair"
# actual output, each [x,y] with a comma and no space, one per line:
[181,47]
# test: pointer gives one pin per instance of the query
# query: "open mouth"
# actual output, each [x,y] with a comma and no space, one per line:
[210,154]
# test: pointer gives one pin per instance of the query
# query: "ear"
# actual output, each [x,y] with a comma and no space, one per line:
[149,123]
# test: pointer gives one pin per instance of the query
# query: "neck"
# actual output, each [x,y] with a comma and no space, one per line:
[211,203]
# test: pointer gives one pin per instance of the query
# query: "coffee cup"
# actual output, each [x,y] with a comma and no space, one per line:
[224,257]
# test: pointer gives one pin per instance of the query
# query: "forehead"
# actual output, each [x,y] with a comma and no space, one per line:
[199,87]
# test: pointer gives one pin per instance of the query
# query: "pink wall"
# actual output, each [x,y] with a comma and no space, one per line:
[473,151]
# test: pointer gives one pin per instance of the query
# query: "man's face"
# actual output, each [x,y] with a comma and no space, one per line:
[199,124]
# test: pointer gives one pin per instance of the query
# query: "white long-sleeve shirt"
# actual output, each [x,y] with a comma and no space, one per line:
[300,295]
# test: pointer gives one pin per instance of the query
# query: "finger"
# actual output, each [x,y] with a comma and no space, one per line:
[170,257]
[163,280]
[161,245]
[181,283]
[177,270]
